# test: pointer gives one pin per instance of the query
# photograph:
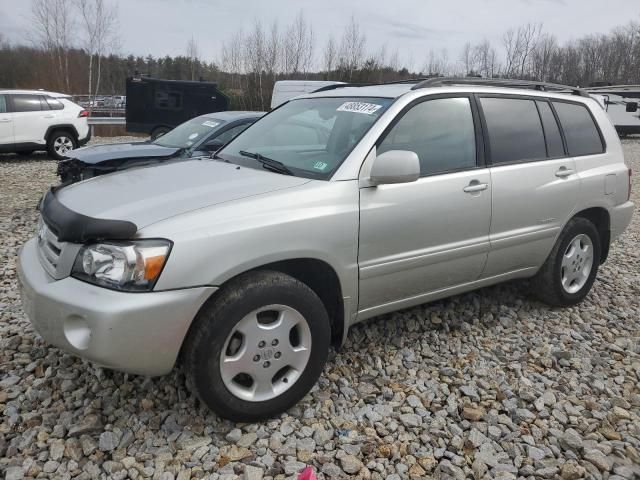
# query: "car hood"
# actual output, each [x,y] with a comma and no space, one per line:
[149,194]
[121,151]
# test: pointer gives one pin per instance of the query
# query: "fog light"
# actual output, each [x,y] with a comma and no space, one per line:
[77,332]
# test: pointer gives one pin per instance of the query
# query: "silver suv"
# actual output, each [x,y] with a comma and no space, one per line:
[338,206]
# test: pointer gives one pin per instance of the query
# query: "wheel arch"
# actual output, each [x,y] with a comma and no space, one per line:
[600,218]
[61,127]
[318,275]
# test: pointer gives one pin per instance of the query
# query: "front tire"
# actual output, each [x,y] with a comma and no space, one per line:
[60,143]
[567,275]
[258,347]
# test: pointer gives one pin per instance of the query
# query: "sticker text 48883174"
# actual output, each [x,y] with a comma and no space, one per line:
[359,107]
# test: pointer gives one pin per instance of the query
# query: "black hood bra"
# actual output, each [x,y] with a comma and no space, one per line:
[70,226]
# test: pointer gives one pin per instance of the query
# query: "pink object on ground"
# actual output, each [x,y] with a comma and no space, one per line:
[307,474]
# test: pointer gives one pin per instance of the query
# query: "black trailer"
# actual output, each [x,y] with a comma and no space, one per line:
[155,106]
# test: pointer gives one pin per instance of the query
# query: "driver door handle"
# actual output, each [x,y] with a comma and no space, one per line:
[475,186]
[564,172]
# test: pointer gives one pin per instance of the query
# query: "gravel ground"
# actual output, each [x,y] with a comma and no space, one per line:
[490,384]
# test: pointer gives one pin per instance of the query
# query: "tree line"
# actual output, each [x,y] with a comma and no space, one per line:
[75,50]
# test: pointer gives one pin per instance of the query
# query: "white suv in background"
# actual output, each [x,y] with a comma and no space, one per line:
[33,120]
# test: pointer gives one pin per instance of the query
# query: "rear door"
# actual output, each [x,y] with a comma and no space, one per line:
[6,125]
[431,234]
[535,184]
[31,118]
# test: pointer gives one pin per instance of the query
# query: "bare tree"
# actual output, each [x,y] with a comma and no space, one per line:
[466,59]
[254,58]
[193,54]
[298,46]
[273,51]
[330,56]
[53,23]
[351,48]
[98,23]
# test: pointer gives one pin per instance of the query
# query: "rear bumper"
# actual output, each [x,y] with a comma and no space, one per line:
[139,333]
[620,218]
[83,141]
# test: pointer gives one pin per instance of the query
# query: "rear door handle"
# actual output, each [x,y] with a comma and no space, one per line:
[475,186]
[5,120]
[49,116]
[564,172]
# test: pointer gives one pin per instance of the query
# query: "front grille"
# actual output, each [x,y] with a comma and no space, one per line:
[49,249]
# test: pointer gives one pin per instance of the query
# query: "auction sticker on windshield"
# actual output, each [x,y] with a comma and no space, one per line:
[211,124]
[359,107]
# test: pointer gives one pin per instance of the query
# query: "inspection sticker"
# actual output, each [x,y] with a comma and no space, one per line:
[320,165]
[211,124]
[192,136]
[359,107]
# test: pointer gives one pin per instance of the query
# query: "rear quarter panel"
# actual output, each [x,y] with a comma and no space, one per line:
[603,177]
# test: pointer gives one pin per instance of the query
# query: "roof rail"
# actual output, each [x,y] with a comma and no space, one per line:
[345,85]
[333,86]
[500,82]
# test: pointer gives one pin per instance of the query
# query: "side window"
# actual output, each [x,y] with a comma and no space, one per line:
[440,132]
[3,104]
[551,130]
[580,131]
[26,103]
[232,133]
[168,99]
[54,104]
[514,129]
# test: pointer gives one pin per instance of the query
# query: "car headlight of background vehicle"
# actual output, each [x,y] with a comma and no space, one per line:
[129,266]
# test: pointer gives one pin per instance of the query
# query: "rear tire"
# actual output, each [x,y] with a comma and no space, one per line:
[60,143]
[567,275]
[258,347]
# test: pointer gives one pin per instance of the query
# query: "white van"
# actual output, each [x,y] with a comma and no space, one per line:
[284,90]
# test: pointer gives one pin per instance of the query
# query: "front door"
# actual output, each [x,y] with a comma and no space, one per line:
[420,237]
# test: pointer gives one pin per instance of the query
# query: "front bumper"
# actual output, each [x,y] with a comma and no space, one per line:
[134,332]
[620,218]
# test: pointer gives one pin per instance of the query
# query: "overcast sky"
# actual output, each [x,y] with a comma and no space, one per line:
[161,27]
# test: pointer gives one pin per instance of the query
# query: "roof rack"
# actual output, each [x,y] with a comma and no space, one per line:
[345,85]
[500,82]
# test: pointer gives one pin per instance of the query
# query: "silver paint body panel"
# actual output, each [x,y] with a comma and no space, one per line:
[391,246]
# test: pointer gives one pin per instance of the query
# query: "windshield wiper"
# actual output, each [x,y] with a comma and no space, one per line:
[268,163]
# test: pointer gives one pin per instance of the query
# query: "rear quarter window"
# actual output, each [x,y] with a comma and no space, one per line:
[54,104]
[580,131]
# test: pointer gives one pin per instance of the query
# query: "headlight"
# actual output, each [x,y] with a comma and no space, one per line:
[129,266]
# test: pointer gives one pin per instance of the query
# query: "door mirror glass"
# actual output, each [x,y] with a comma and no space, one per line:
[632,107]
[395,166]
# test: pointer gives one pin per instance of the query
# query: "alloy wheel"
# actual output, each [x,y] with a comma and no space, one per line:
[577,263]
[265,353]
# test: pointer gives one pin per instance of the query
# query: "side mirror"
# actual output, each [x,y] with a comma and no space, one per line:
[395,166]
[632,107]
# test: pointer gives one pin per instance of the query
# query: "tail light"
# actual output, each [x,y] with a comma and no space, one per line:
[83,113]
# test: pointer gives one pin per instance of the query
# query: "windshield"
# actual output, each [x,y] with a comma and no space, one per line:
[189,133]
[310,137]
